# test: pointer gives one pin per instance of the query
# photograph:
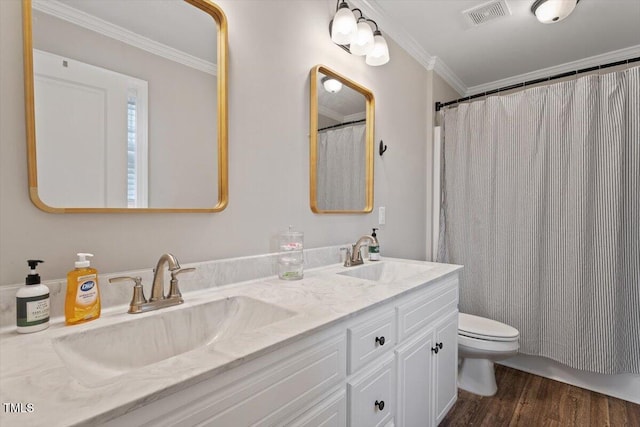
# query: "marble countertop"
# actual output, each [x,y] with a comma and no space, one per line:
[33,375]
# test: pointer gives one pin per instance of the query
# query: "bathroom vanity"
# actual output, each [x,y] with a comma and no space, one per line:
[372,345]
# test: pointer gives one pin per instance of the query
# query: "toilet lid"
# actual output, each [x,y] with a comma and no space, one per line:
[487,329]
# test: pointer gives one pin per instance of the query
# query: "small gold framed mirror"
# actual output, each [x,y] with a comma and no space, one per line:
[126,105]
[341,144]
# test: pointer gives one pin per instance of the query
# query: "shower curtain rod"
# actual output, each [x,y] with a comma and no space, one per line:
[343,124]
[440,105]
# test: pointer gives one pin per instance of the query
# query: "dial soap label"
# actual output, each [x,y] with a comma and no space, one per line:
[87,290]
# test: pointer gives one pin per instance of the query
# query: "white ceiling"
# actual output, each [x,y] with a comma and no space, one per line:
[511,49]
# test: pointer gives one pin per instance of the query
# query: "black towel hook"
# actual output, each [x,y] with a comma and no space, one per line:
[382,148]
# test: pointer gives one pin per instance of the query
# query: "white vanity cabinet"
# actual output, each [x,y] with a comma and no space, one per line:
[391,366]
[428,355]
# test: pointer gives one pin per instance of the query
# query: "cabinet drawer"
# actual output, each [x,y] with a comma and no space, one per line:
[329,412]
[372,396]
[417,314]
[370,339]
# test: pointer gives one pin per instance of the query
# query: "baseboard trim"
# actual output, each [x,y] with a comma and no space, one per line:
[621,386]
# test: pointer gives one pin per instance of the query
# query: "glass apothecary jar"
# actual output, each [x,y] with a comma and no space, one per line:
[291,258]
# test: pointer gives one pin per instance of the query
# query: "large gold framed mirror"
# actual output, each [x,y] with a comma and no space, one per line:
[126,105]
[341,144]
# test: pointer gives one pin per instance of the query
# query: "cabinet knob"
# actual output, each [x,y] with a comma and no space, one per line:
[380,340]
[380,404]
[439,345]
[435,349]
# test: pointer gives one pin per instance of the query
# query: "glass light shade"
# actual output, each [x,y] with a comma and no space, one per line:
[363,42]
[331,85]
[551,11]
[344,25]
[379,55]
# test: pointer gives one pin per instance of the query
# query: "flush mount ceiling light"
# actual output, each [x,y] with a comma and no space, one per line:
[356,36]
[551,11]
[331,85]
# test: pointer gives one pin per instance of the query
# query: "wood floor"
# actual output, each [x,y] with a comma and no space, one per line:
[529,400]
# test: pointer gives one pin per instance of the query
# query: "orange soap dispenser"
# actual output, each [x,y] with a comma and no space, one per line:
[83,295]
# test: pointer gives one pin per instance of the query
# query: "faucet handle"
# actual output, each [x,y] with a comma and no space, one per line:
[347,261]
[174,273]
[174,290]
[138,292]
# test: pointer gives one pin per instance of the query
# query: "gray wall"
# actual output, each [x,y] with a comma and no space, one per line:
[273,45]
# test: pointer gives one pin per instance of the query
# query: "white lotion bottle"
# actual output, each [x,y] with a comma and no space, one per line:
[32,303]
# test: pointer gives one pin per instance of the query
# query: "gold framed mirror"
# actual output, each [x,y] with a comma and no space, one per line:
[341,144]
[126,105]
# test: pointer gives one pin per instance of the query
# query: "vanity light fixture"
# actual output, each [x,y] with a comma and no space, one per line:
[331,85]
[356,36]
[551,11]
[344,25]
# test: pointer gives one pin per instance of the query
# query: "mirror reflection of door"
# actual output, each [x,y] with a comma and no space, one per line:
[341,144]
[126,104]
[85,114]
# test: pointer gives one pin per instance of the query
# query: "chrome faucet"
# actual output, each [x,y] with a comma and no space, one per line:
[139,303]
[354,257]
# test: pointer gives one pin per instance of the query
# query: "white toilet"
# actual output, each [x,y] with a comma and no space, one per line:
[482,341]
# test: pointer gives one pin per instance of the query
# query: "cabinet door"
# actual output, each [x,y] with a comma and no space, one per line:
[371,396]
[446,364]
[415,381]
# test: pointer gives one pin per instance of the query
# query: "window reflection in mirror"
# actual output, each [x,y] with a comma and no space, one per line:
[128,105]
[341,144]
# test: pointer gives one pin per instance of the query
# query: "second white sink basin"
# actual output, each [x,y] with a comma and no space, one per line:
[96,355]
[386,271]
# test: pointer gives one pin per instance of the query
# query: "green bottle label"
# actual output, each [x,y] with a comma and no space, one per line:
[31,311]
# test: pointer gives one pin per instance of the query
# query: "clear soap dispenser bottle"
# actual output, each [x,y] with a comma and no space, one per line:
[83,295]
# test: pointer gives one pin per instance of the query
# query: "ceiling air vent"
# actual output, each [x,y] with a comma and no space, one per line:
[486,12]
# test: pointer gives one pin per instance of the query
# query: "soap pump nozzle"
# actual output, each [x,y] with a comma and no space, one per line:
[82,261]
[33,278]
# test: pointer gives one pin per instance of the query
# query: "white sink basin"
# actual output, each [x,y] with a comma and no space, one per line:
[386,271]
[96,355]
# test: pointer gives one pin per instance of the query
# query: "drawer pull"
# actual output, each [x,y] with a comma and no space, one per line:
[380,405]
[380,340]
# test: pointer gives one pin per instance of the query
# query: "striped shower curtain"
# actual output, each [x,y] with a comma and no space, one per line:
[541,203]
[342,168]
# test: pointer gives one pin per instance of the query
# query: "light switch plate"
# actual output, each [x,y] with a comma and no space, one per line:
[382,215]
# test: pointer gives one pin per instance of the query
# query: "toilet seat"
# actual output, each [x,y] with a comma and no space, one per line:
[485,329]
[481,342]
[475,347]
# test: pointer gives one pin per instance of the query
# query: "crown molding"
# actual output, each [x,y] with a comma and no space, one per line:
[449,76]
[373,10]
[327,112]
[592,61]
[90,22]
